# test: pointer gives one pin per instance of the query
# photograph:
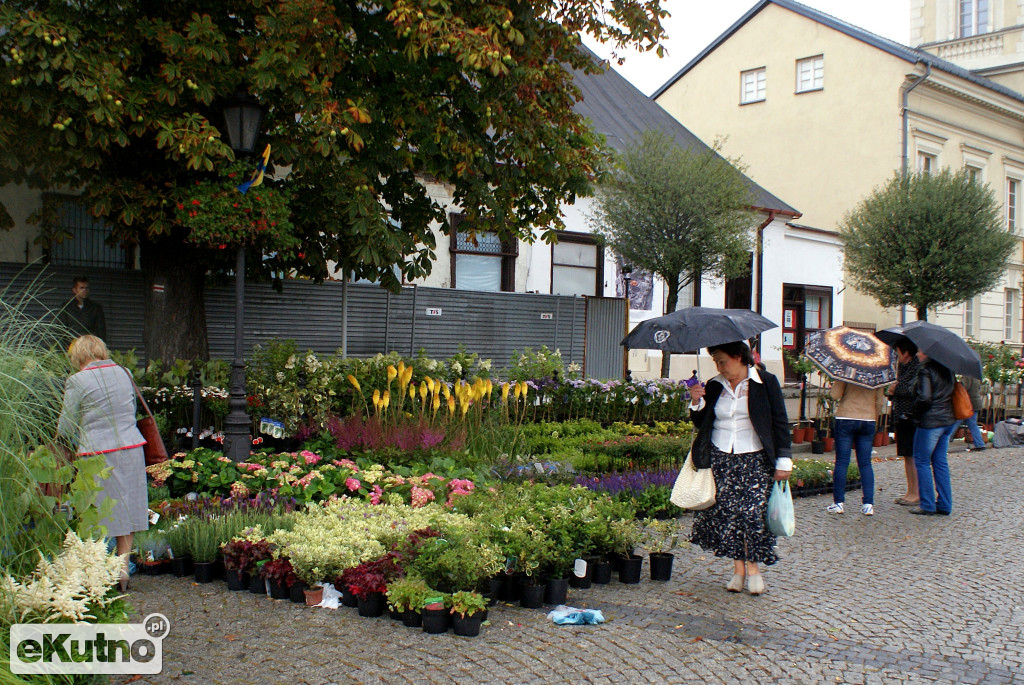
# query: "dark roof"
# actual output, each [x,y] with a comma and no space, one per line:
[620,112]
[909,54]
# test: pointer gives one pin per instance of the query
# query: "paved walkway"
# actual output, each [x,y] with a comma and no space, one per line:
[890,598]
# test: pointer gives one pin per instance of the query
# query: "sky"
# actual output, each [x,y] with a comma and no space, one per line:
[694,24]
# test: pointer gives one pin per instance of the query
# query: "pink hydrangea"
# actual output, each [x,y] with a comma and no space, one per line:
[347,464]
[421,496]
[310,457]
[352,484]
[376,494]
[460,486]
[239,489]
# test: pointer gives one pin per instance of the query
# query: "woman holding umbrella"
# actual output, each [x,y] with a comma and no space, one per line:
[936,423]
[744,432]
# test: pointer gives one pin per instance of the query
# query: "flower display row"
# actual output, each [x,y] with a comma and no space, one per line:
[305,476]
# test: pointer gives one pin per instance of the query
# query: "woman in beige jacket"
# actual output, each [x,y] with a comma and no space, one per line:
[856,415]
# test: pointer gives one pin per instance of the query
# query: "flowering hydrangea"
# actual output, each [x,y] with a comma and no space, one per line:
[421,496]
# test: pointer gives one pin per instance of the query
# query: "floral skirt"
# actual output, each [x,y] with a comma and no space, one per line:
[736,527]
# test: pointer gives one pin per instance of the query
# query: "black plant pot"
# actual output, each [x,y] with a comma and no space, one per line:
[218,568]
[556,590]
[203,571]
[412,619]
[435,621]
[817,447]
[347,598]
[279,591]
[181,566]
[602,573]
[394,614]
[372,605]
[236,580]
[584,582]
[531,596]
[661,565]
[494,589]
[468,626]
[630,568]
[509,588]
[257,585]
[295,592]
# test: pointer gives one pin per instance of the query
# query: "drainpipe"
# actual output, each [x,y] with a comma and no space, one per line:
[906,121]
[906,145]
[759,246]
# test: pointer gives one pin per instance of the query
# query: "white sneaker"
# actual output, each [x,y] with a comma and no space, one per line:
[836,508]
[868,510]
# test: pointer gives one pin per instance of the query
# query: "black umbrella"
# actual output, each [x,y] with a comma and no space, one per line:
[940,344]
[687,330]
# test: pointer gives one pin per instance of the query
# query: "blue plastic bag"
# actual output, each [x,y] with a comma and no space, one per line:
[781,519]
[563,615]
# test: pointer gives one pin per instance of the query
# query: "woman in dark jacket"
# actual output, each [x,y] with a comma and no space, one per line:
[933,412]
[744,437]
[903,395]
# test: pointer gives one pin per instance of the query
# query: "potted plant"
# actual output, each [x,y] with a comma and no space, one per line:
[467,609]
[435,613]
[660,537]
[178,551]
[280,575]
[628,535]
[203,539]
[152,550]
[407,595]
[528,546]
[802,366]
[368,582]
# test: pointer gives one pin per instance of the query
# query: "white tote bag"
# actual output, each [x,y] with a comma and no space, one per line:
[694,488]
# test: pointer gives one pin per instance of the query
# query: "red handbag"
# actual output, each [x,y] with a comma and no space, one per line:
[154,448]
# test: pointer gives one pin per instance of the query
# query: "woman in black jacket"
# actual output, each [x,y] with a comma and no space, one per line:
[744,437]
[933,412]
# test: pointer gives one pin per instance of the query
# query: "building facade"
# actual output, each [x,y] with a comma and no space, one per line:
[833,111]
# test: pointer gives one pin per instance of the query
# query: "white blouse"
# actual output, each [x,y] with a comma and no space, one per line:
[733,430]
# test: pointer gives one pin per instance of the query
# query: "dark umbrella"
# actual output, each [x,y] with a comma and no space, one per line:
[687,330]
[852,356]
[940,344]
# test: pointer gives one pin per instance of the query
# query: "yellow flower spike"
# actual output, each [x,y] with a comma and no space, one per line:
[385,399]
[354,382]
[406,377]
[504,392]
[488,387]
[465,408]
[451,405]
[517,391]
[412,392]
[423,391]
[392,372]
[526,389]
[430,383]
[445,391]
[401,369]
[435,404]
[376,397]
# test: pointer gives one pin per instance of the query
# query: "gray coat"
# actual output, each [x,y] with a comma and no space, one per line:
[99,409]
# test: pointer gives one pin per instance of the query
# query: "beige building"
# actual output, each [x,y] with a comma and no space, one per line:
[822,112]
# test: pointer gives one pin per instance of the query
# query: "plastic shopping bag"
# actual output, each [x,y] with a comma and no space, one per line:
[781,520]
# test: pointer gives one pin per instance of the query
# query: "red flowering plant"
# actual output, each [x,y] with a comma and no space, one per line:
[371,577]
[220,216]
[279,571]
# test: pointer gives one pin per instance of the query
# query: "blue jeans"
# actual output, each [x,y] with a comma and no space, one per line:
[930,448]
[972,424]
[849,434]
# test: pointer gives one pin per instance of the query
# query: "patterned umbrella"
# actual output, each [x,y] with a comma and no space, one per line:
[853,356]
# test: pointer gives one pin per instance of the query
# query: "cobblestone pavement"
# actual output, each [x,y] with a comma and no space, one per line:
[892,598]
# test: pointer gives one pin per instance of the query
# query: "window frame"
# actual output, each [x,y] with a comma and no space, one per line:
[508,254]
[973,27]
[581,239]
[816,83]
[82,247]
[1012,209]
[1011,307]
[760,75]
[972,307]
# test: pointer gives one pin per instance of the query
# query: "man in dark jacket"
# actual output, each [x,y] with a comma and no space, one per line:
[81,315]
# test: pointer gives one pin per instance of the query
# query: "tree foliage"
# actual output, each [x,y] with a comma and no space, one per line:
[926,240]
[680,213]
[363,99]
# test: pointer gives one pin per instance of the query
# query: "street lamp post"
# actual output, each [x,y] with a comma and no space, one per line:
[242,114]
[627,271]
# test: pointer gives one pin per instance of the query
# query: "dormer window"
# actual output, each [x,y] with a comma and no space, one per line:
[973,17]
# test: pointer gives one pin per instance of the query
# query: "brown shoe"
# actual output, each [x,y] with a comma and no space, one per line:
[904,502]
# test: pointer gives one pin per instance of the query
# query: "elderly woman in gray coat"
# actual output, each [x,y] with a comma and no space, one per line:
[99,418]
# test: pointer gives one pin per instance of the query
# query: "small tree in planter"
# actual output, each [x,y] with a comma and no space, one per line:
[660,537]
[627,537]
[801,366]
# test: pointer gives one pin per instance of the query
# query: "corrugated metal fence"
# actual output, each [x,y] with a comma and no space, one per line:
[437,320]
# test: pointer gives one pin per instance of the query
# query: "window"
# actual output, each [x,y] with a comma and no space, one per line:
[925,162]
[973,173]
[1012,302]
[973,17]
[971,308]
[752,86]
[1012,195]
[810,74]
[576,265]
[816,311]
[84,236]
[481,260]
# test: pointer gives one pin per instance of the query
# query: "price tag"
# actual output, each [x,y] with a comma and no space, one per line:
[579,568]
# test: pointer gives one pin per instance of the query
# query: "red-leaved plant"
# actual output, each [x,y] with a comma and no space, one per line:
[279,571]
[243,555]
[371,577]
